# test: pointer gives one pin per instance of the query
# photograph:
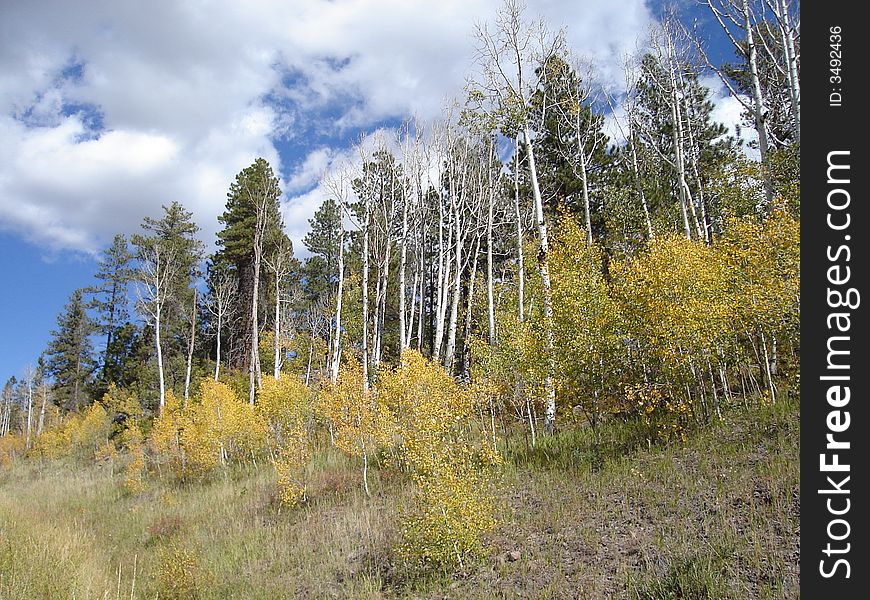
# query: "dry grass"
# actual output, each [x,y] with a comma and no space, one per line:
[716,517]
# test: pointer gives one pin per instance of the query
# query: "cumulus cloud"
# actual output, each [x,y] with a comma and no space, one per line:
[110,109]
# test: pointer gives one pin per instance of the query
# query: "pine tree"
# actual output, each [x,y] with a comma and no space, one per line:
[322,242]
[109,300]
[168,258]
[571,144]
[253,227]
[69,356]
[679,154]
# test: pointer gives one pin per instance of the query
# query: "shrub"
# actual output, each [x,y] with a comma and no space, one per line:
[12,445]
[284,405]
[221,428]
[452,506]
[359,421]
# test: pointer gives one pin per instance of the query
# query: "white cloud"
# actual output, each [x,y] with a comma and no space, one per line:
[728,110]
[307,174]
[110,109]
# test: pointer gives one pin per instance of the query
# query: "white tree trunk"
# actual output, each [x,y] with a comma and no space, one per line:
[403,257]
[521,274]
[381,305]
[469,306]
[677,135]
[276,369]
[190,343]
[788,39]
[160,377]
[41,422]
[217,364]
[757,100]
[543,263]
[443,276]
[254,381]
[584,180]
[336,344]
[365,297]
[409,332]
[454,307]
[29,375]
[490,296]
[637,184]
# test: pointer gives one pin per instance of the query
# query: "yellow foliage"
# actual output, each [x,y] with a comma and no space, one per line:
[89,431]
[134,472]
[53,442]
[165,438]
[12,446]
[665,415]
[588,325]
[180,575]
[220,428]
[283,405]
[106,451]
[764,260]
[82,434]
[450,512]
[360,422]
[452,507]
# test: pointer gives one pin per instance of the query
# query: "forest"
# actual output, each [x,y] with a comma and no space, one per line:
[554,290]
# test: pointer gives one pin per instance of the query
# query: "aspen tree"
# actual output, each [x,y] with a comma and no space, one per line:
[505,55]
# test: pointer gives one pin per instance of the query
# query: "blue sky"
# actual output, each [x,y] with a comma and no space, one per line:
[110,109]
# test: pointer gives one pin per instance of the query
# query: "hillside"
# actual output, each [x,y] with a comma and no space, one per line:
[714,517]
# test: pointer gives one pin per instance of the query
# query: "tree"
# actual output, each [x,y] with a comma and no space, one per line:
[69,356]
[221,304]
[505,56]
[109,300]
[756,44]
[252,227]
[775,65]
[168,255]
[323,241]
[281,263]
[571,145]
[8,402]
[338,183]
[676,144]
[360,424]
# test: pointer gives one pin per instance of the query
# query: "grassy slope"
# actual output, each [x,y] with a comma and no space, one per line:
[714,518]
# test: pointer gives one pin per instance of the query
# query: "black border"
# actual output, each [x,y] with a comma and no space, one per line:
[826,128]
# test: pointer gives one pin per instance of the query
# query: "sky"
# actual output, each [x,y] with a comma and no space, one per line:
[110,109]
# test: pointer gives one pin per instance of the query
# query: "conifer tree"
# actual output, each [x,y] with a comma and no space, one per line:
[322,242]
[168,257]
[109,300]
[253,227]
[69,356]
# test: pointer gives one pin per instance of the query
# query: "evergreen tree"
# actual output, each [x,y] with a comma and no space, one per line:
[571,144]
[69,356]
[704,145]
[109,300]
[322,242]
[122,365]
[253,227]
[168,257]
